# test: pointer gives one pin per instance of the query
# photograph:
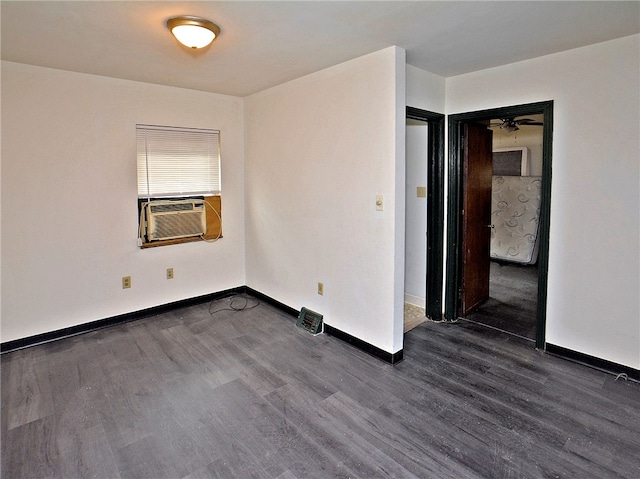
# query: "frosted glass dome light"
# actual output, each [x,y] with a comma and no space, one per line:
[193,32]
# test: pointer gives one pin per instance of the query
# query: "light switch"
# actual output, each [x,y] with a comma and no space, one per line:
[421,191]
[379,203]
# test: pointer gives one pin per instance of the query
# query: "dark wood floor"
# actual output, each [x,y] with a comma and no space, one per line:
[512,305]
[247,395]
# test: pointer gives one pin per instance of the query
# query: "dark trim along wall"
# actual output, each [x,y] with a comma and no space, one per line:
[391,358]
[593,362]
[22,343]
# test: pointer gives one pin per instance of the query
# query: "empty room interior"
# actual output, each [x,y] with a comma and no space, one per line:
[262,255]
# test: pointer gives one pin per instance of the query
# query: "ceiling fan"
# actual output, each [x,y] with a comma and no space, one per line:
[512,124]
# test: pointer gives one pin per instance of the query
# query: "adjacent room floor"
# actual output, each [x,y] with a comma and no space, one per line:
[246,394]
[413,316]
[512,305]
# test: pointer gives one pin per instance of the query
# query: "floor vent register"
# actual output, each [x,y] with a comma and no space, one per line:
[310,321]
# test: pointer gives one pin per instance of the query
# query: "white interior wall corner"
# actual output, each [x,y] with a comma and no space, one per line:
[425,90]
[400,198]
[319,149]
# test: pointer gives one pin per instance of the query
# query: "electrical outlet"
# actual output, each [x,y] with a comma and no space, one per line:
[126,282]
[169,273]
[320,289]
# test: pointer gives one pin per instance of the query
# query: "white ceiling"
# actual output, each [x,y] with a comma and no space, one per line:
[266,43]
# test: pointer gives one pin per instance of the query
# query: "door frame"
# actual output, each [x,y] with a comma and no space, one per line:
[435,209]
[454,219]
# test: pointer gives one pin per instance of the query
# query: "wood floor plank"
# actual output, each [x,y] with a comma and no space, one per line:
[274,441]
[325,450]
[395,430]
[234,464]
[31,450]
[30,396]
[91,450]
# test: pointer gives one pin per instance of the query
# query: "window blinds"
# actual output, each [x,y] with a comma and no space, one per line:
[177,161]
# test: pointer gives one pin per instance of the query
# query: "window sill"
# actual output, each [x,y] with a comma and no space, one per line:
[192,239]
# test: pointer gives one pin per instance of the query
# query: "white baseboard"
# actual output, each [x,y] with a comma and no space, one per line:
[415,300]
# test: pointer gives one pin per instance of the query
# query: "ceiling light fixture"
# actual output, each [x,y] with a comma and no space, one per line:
[193,32]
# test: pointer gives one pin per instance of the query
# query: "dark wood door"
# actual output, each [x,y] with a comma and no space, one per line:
[476,216]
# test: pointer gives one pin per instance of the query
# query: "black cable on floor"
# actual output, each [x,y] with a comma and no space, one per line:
[237,302]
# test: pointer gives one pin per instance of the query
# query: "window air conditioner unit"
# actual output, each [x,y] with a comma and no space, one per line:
[511,161]
[168,219]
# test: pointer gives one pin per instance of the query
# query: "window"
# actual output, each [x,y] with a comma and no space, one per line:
[175,162]
[178,184]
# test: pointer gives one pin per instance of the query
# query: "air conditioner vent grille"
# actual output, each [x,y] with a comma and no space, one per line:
[165,208]
[175,219]
[171,226]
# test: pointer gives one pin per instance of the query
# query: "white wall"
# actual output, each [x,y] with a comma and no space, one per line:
[69,194]
[318,151]
[416,214]
[425,90]
[594,270]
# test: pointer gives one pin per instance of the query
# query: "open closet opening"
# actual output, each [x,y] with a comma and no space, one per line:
[424,213]
[415,271]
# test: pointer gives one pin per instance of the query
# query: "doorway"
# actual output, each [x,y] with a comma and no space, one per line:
[458,272]
[434,197]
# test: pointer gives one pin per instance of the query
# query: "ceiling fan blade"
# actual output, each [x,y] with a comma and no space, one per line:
[528,121]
